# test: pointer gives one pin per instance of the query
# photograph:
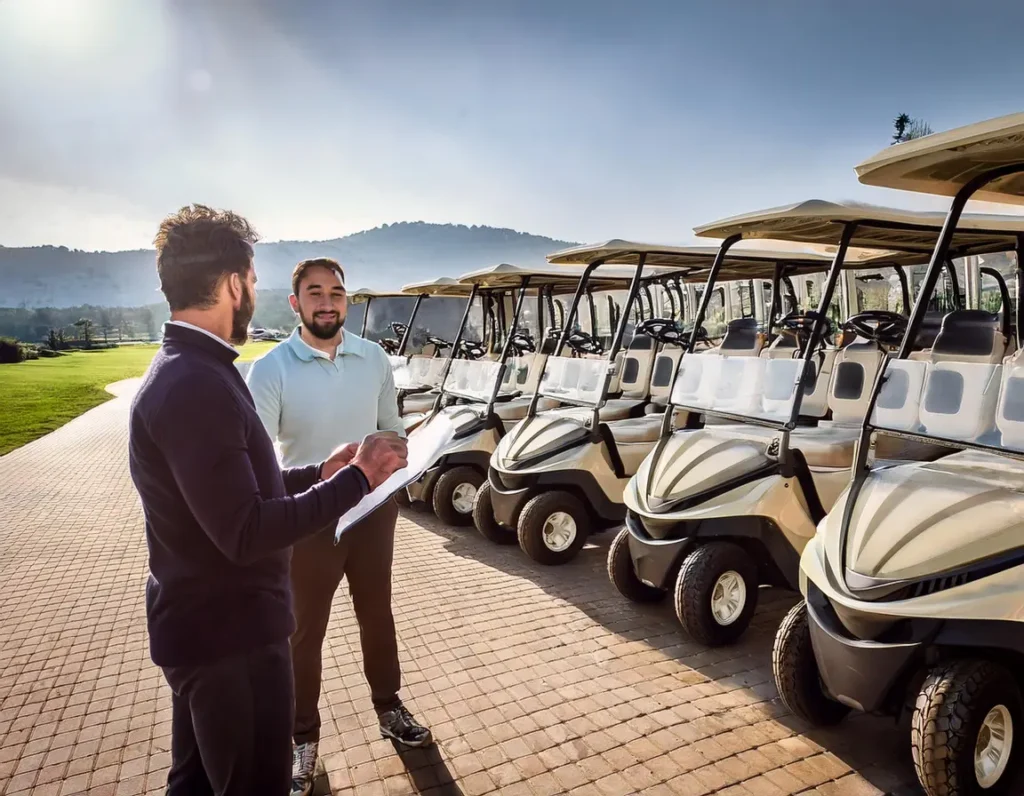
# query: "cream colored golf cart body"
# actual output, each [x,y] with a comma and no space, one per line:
[914,582]
[750,486]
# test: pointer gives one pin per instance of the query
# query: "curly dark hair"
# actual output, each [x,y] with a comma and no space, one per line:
[196,248]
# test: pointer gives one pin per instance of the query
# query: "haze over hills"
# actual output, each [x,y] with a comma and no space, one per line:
[385,257]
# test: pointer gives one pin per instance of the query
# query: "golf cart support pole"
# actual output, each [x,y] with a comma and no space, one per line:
[904,286]
[1020,285]
[408,329]
[819,321]
[935,266]
[705,299]
[508,341]
[455,348]
[366,314]
[569,317]
[776,300]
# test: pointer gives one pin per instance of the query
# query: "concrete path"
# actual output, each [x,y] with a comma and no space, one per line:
[535,680]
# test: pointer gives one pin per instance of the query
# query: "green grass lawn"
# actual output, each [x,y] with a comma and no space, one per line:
[41,395]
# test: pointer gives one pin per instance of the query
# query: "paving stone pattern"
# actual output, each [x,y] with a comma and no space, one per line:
[535,680]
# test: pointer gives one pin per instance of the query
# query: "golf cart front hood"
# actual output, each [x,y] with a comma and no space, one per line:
[693,462]
[917,521]
[541,435]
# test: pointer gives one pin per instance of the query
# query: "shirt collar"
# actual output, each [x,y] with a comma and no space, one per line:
[200,336]
[350,344]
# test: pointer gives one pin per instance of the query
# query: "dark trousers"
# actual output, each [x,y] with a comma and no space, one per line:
[363,556]
[231,724]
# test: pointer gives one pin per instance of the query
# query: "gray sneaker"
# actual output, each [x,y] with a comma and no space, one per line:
[304,757]
[399,725]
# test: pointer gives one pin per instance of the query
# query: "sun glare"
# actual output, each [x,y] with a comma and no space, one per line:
[53,26]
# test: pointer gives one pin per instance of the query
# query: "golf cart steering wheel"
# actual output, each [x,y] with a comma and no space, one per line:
[399,329]
[584,343]
[879,326]
[472,349]
[663,330]
[438,343]
[522,342]
[390,345]
[803,323]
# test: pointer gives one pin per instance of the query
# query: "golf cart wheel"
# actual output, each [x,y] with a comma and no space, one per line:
[796,672]
[454,494]
[553,527]
[716,593]
[483,518]
[402,498]
[965,729]
[623,576]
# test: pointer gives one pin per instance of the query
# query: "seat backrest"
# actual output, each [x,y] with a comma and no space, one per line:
[637,364]
[1010,409]
[665,365]
[741,339]
[785,346]
[817,384]
[853,376]
[969,336]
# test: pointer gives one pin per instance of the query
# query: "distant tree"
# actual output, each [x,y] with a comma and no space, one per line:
[84,326]
[106,324]
[53,339]
[146,318]
[907,128]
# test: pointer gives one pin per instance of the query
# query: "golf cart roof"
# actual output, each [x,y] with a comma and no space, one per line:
[942,163]
[566,277]
[909,235]
[442,286]
[365,294]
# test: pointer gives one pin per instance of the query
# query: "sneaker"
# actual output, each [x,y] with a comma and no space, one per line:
[303,768]
[399,725]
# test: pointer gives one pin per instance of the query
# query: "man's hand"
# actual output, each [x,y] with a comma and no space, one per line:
[339,458]
[379,455]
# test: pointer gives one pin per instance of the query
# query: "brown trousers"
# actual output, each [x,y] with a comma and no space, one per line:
[364,556]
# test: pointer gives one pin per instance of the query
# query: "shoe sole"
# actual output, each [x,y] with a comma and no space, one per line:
[427,740]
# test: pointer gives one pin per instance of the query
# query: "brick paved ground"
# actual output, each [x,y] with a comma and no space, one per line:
[535,680]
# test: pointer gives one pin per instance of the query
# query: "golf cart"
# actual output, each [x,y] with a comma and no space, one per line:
[420,347]
[718,511]
[555,478]
[488,386]
[914,582]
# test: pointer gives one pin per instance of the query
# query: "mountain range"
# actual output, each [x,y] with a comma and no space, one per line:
[385,257]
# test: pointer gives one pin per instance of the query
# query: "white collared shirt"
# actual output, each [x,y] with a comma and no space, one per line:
[311,404]
[207,332]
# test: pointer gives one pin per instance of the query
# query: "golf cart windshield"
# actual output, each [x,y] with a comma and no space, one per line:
[382,312]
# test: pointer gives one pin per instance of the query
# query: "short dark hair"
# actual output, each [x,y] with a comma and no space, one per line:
[322,262]
[196,248]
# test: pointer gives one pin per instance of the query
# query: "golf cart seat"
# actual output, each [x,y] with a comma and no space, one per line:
[418,402]
[511,411]
[815,400]
[742,339]
[410,421]
[621,408]
[636,429]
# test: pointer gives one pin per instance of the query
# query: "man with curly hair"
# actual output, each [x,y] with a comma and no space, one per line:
[221,517]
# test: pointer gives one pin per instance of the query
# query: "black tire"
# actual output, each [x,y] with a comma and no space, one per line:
[623,576]
[445,490]
[695,587]
[534,518]
[796,672]
[951,706]
[483,518]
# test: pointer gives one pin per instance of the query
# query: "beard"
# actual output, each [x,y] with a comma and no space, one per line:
[241,317]
[324,326]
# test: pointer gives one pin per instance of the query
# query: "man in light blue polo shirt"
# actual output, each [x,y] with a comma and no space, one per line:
[321,388]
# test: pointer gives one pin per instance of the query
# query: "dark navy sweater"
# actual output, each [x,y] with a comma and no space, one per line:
[221,516]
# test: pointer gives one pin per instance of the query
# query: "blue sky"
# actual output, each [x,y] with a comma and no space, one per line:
[576,119]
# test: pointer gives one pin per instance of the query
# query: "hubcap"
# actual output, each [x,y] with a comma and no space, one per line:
[728,597]
[993,747]
[559,531]
[462,498]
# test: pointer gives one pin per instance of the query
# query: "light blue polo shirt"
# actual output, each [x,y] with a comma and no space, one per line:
[310,404]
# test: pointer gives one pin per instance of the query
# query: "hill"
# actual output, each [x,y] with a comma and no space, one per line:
[384,257]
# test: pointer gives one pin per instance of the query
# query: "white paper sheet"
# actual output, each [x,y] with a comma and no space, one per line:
[425,447]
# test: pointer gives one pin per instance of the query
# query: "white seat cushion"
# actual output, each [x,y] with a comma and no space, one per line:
[619,408]
[516,409]
[636,429]
[420,402]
